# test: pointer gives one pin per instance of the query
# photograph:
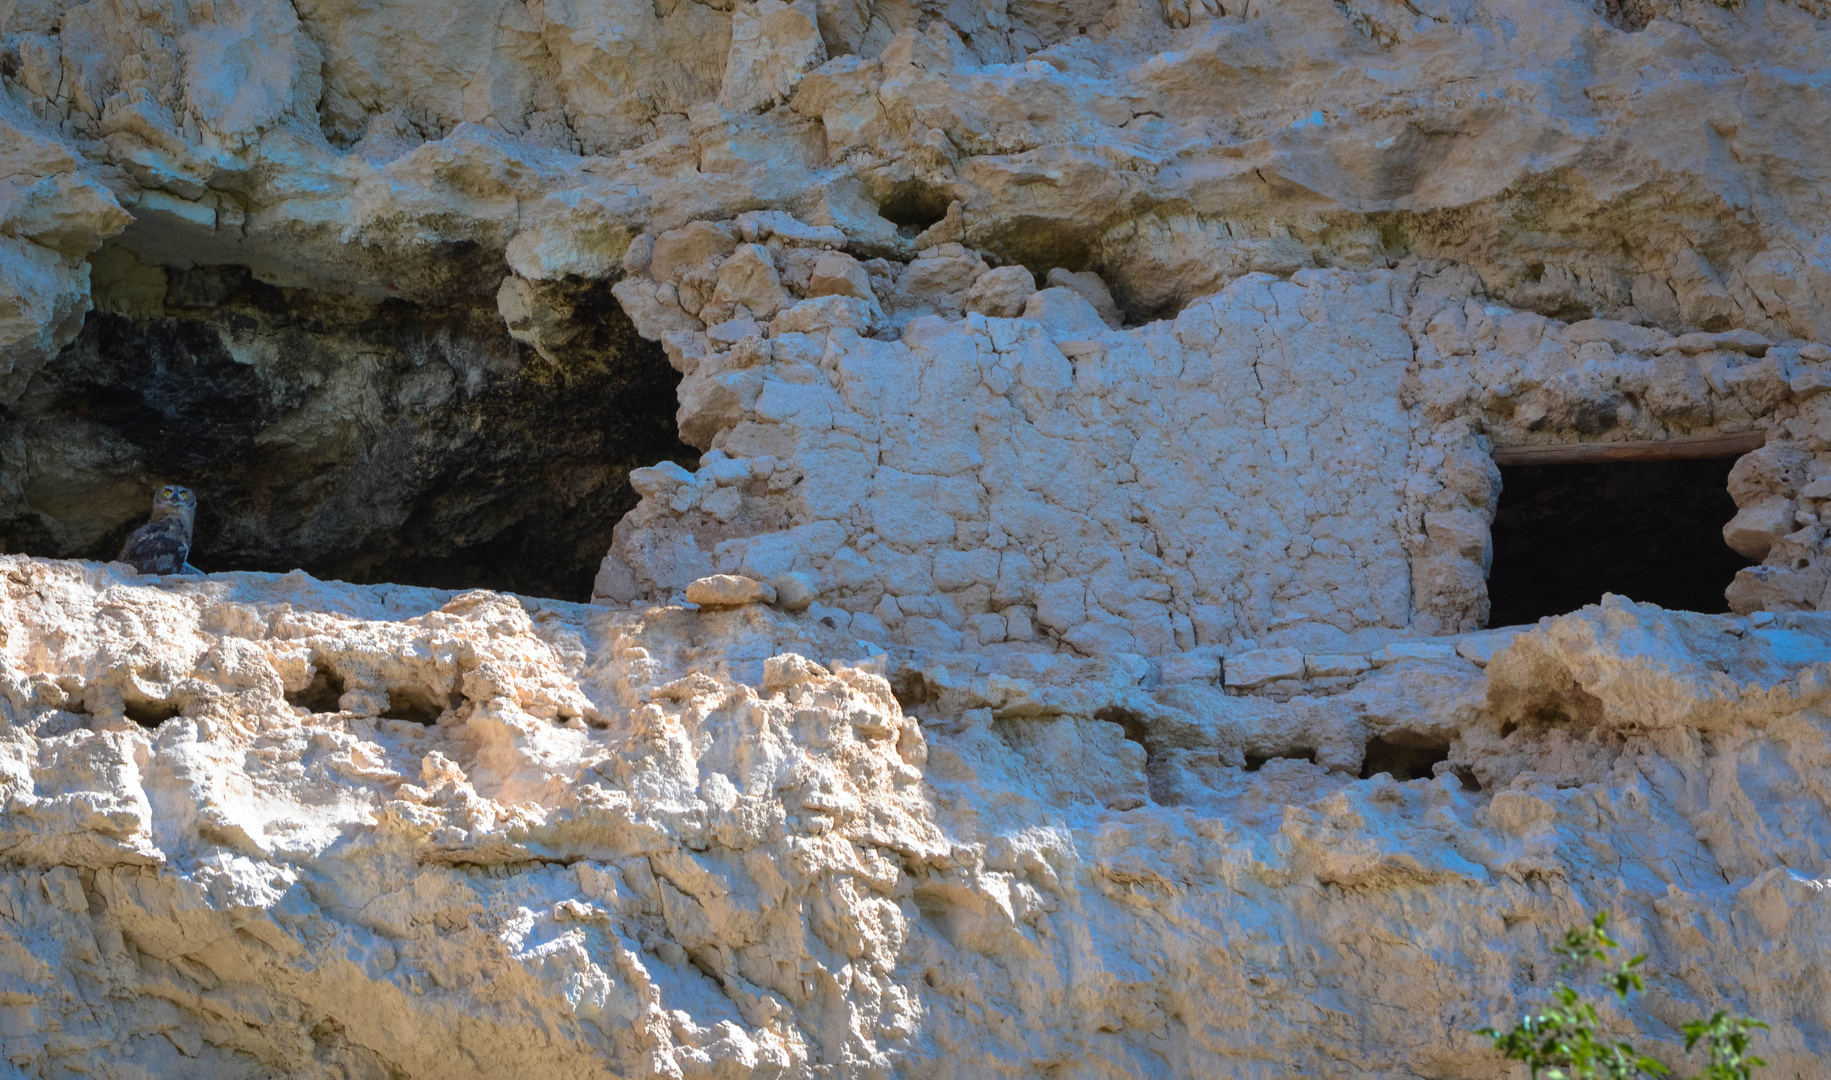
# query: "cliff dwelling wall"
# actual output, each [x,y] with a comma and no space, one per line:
[953,457]
[1114,405]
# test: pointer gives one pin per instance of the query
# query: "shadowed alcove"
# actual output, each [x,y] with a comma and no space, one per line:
[1564,534]
[416,443]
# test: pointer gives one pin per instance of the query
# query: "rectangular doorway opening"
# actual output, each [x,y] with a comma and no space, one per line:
[1648,530]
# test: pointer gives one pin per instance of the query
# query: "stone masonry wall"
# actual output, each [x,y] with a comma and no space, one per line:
[951,458]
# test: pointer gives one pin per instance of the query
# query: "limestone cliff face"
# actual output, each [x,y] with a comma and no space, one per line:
[1103,395]
[1583,158]
[406,165]
[1651,162]
[265,826]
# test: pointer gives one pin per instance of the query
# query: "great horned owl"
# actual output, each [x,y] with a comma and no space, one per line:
[161,545]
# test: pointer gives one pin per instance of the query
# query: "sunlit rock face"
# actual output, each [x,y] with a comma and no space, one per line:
[1034,471]
[261,825]
[1655,163]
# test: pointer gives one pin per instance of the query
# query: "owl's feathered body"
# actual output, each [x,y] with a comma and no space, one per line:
[162,544]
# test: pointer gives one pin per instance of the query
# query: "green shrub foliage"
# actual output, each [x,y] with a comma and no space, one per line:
[1560,1042]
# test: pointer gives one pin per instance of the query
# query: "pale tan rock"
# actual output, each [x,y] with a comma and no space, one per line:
[795,591]
[772,45]
[689,247]
[1624,337]
[1460,532]
[1198,666]
[1335,665]
[547,797]
[1256,667]
[729,590]
[827,313]
[1777,588]
[538,319]
[1064,313]
[1755,528]
[1479,649]
[1809,382]
[1448,593]
[52,215]
[1744,341]
[1001,293]
[939,280]
[1415,650]
[839,274]
[1778,469]
[748,279]
[757,226]
[1092,288]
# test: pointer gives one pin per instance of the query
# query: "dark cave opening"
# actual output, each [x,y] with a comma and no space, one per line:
[418,705]
[1401,757]
[915,205]
[1648,530]
[415,443]
[150,714]
[323,694]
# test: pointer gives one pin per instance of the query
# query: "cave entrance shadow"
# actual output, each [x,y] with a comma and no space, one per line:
[1648,530]
[414,443]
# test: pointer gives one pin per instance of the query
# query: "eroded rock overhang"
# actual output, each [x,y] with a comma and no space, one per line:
[397,441]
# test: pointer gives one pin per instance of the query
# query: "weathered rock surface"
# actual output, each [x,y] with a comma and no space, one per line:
[262,825]
[1649,162]
[729,590]
[1654,157]
[1085,671]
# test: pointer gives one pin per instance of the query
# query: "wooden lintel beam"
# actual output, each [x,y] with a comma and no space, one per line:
[1680,447]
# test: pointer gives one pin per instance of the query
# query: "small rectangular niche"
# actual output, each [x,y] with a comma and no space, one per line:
[1652,531]
[1403,759]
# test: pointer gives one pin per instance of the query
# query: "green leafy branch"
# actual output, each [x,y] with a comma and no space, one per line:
[1561,1042]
